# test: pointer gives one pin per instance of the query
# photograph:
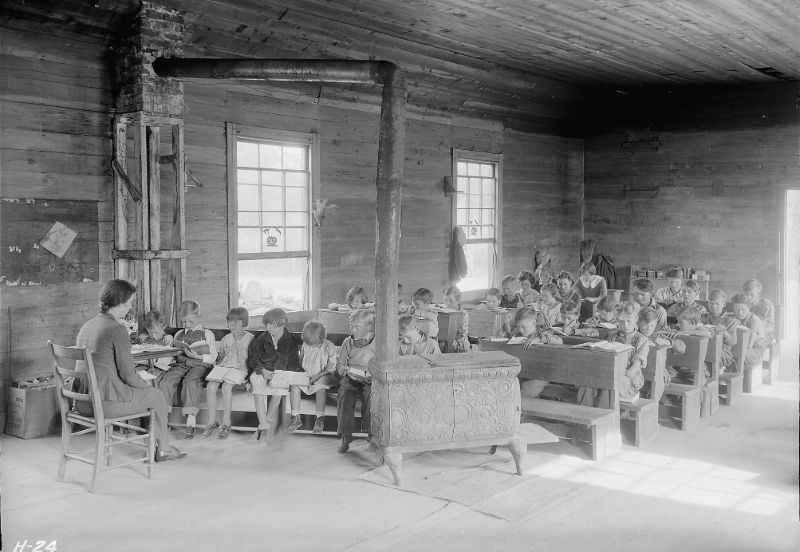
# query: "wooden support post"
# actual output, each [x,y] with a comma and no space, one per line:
[120,197]
[154,215]
[391,153]
[179,221]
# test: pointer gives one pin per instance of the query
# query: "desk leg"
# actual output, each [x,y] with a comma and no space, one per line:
[518,448]
[395,461]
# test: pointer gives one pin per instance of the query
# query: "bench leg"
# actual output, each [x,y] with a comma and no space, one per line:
[772,365]
[690,410]
[518,448]
[395,462]
[493,449]
[735,389]
[752,378]
[647,425]
[713,391]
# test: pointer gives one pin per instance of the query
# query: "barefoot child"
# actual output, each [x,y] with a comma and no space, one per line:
[230,371]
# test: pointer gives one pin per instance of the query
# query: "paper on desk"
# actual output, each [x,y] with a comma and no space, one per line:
[146,348]
[519,340]
[146,376]
[604,346]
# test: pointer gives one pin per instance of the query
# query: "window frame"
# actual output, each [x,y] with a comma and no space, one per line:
[465,155]
[234,132]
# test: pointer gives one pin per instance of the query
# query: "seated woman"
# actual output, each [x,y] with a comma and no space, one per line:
[121,388]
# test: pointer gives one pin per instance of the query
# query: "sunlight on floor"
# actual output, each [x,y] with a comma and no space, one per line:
[678,479]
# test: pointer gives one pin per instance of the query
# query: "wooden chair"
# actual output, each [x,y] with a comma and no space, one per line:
[102,426]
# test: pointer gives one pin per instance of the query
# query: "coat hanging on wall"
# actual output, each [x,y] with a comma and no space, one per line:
[458,261]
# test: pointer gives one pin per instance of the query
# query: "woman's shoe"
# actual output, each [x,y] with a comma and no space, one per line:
[223,432]
[170,453]
[209,430]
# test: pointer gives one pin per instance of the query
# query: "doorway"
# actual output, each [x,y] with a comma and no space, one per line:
[790,309]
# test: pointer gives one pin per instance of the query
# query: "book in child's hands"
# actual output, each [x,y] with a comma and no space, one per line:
[145,375]
[519,340]
[199,347]
[225,374]
[357,373]
[284,378]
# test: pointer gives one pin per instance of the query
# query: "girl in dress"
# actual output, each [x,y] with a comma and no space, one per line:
[318,359]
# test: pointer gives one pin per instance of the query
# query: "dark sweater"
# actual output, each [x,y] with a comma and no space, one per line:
[262,354]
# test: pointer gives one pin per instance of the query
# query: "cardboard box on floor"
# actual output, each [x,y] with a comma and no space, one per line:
[32,408]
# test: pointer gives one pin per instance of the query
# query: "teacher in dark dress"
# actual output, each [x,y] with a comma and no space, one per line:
[119,385]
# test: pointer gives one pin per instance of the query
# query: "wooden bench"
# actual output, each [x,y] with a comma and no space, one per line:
[595,428]
[639,419]
[731,383]
[689,397]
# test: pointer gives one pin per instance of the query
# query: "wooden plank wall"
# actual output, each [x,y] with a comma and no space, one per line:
[695,182]
[56,98]
[542,187]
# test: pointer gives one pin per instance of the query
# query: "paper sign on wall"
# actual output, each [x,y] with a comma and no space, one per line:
[58,239]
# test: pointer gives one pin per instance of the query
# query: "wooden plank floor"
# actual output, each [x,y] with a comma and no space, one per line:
[730,485]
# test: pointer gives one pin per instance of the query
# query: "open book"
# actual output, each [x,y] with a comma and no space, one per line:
[224,374]
[149,347]
[519,340]
[357,374]
[284,378]
[199,347]
[146,376]
[603,346]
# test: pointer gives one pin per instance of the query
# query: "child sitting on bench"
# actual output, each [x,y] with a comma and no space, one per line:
[726,322]
[688,324]
[633,380]
[605,315]
[452,300]
[275,349]
[508,297]
[352,365]
[532,326]
[413,341]
[421,308]
[758,340]
[318,359]
[549,307]
[230,370]
[673,292]
[689,294]
[569,318]
[526,295]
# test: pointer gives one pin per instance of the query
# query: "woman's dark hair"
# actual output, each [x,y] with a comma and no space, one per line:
[115,293]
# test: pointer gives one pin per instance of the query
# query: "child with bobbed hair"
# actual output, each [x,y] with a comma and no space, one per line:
[688,298]
[318,358]
[508,297]
[452,300]
[526,295]
[549,306]
[531,325]
[421,308]
[413,341]
[566,288]
[672,293]
[356,298]
[275,349]
[758,336]
[229,371]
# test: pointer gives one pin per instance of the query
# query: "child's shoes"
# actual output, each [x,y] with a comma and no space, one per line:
[189,432]
[295,423]
[319,424]
[223,432]
[209,430]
